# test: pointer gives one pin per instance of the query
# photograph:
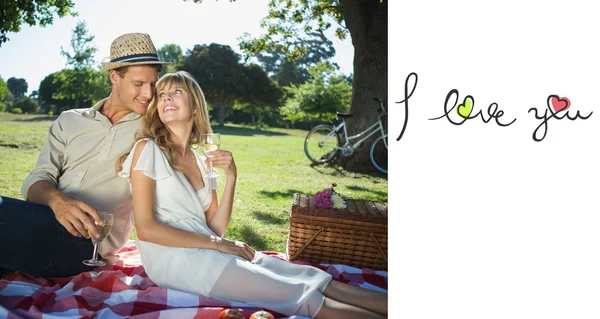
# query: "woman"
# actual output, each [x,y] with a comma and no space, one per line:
[180,223]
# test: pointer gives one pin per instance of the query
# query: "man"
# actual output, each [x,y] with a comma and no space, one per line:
[75,174]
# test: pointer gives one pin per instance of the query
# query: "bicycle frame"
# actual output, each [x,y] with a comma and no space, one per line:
[370,131]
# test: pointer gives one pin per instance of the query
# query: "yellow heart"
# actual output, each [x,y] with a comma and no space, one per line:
[465,109]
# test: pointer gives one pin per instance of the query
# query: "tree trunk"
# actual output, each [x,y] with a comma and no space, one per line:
[221,115]
[367,22]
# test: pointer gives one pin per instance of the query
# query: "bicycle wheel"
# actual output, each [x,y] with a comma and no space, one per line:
[379,154]
[320,144]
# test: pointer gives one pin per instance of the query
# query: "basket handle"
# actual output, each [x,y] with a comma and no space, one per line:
[294,256]
[379,246]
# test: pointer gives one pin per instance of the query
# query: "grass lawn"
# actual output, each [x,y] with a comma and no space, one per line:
[271,168]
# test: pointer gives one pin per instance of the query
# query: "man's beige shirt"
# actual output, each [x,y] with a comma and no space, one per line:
[79,159]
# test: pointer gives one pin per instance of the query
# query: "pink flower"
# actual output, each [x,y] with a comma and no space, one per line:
[323,198]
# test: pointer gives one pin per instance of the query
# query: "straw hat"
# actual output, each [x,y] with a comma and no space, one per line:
[132,49]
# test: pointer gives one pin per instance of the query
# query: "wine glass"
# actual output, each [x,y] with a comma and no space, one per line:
[104,229]
[211,142]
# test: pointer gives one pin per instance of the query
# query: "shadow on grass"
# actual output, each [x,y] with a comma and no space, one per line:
[339,171]
[24,147]
[37,119]
[363,189]
[270,219]
[245,131]
[253,239]
[280,194]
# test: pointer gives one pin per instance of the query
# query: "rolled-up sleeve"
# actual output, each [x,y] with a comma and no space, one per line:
[50,162]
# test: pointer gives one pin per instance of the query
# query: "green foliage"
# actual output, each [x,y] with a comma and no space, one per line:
[258,94]
[8,97]
[170,53]
[3,107]
[34,95]
[257,88]
[326,93]
[286,72]
[58,92]
[18,87]
[3,88]
[218,70]
[80,85]
[291,111]
[48,86]
[83,48]
[16,110]
[83,88]
[290,20]
[25,104]
[32,12]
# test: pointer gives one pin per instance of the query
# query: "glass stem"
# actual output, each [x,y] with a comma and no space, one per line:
[95,251]
[211,168]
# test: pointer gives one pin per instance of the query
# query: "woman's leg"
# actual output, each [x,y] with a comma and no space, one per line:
[333,309]
[361,297]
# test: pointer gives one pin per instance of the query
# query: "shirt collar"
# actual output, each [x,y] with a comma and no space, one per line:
[94,110]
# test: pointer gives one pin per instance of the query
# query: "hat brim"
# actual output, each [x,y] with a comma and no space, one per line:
[114,65]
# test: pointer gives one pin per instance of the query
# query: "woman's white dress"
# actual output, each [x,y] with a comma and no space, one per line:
[265,282]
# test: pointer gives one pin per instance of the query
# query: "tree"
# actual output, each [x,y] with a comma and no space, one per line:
[320,98]
[286,71]
[218,71]
[3,88]
[291,112]
[26,104]
[18,87]
[3,91]
[34,95]
[83,48]
[80,82]
[365,21]
[170,53]
[258,93]
[32,12]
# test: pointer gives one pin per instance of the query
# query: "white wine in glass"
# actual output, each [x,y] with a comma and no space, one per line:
[211,143]
[104,229]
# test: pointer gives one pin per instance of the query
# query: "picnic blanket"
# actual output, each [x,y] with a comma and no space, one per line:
[123,290]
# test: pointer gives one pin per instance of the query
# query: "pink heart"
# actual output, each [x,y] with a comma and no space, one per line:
[560,103]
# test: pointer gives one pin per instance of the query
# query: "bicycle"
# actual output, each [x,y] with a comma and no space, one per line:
[323,143]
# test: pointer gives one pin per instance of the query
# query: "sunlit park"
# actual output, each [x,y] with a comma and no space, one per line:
[275,75]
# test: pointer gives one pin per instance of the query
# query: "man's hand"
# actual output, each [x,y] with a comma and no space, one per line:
[73,215]
[236,248]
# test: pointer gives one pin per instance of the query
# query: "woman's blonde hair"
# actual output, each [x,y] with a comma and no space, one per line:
[153,127]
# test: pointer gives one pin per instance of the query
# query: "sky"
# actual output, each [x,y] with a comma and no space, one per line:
[34,52]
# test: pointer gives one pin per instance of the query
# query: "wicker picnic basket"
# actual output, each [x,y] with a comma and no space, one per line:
[355,236]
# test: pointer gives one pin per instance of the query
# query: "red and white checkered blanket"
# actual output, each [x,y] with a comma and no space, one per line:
[123,290]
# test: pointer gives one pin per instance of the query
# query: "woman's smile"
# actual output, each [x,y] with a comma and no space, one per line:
[170,108]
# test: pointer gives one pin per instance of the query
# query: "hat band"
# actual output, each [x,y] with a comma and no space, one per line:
[137,58]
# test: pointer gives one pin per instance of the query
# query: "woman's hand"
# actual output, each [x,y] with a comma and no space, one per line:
[224,159]
[236,248]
